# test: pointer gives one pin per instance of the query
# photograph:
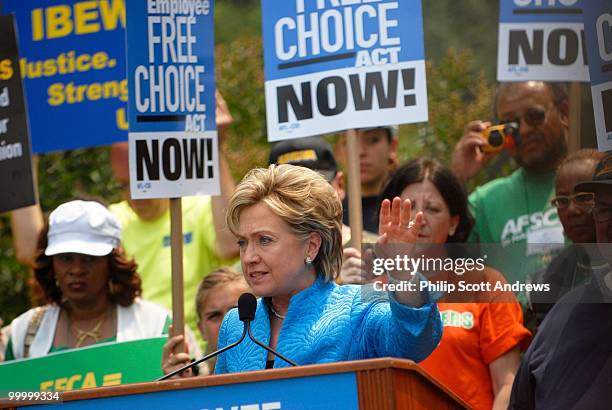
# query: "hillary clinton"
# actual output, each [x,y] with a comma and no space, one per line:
[288,220]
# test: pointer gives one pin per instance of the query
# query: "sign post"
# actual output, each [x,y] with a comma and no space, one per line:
[173,138]
[354,189]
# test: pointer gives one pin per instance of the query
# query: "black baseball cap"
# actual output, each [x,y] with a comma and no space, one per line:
[601,177]
[312,152]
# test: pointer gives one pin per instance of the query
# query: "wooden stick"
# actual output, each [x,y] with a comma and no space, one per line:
[354,189]
[575,108]
[176,243]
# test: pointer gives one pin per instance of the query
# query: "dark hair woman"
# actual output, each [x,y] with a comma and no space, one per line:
[482,330]
[91,287]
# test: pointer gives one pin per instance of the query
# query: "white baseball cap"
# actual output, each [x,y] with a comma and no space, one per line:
[84,227]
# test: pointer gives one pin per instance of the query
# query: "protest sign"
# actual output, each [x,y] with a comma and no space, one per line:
[73,66]
[598,28]
[541,40]
[107,364]
[173,137]
[16,184]
[335,65]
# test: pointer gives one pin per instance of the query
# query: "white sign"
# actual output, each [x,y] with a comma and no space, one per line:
[541,40]
[331,66]
[171,74]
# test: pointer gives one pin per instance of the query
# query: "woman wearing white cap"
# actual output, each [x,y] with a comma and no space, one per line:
[91,287]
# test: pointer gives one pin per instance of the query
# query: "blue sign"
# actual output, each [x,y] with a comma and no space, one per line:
[332,391]
[171,72]
[72,59]
[541,40]
[171,64]
[330,66]
[540,11]
[598,30]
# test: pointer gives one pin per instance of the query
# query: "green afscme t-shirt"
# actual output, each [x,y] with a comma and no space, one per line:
[148,242]
[518,228]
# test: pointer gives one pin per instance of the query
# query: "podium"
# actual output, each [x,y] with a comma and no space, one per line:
[377,384]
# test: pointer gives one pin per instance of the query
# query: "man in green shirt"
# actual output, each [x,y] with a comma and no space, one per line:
[517,227]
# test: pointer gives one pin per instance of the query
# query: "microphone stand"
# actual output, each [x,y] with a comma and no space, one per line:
[210,355]
[258,343]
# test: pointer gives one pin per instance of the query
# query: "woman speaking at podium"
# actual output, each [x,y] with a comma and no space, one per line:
[288,223]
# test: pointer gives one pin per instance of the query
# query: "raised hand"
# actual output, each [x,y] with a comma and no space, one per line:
[395,225]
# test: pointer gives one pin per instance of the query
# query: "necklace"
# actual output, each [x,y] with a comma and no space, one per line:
[275,313]
[82,335]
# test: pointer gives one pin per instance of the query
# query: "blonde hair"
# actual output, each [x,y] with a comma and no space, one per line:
[301,198]
[220,276]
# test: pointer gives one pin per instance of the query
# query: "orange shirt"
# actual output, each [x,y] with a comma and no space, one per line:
[475,334]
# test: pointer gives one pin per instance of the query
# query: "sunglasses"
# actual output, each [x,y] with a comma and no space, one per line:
[534,117]
[582,200]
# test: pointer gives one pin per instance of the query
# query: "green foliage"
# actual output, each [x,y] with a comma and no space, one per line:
[235,19]
[13,277]
[82,173]
[465,24]
[457,94]
[240,79]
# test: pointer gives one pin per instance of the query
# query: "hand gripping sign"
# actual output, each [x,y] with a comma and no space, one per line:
[332,65]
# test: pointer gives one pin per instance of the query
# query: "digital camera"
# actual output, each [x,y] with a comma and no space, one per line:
[500,136]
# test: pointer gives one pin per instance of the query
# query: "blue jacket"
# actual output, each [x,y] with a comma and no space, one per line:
[329,323]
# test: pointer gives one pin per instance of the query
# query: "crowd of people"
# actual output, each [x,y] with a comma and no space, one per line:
[103,273]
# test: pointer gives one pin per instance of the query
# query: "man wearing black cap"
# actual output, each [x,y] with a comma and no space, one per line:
[569,363]
[315,153]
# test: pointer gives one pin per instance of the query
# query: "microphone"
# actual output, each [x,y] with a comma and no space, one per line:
[248,314]
[247,304]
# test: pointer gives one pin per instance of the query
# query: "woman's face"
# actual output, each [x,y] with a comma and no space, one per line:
[439,223]
[82,279]
[272,256]
[577,223]
[219,301]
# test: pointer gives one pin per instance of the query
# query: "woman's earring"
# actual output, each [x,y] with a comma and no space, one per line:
[308,260]
[111,288]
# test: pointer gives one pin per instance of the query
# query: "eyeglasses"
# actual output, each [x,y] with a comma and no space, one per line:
[534,117]
[582,200]
[601,214]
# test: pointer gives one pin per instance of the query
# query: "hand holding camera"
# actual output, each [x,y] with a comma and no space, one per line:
[480,142]
[499,137]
